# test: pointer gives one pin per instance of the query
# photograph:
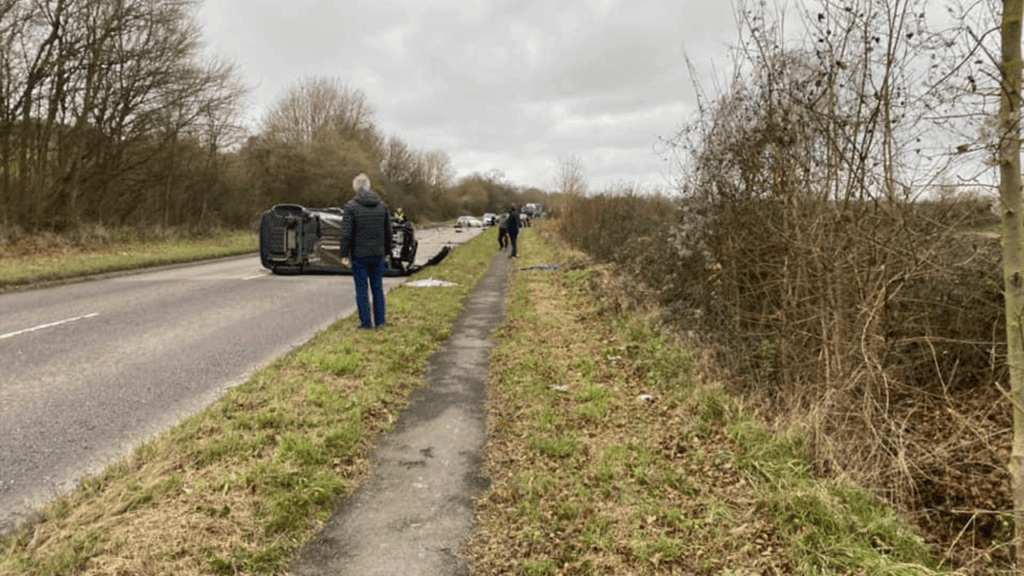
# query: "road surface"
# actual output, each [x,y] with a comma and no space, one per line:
[89,370]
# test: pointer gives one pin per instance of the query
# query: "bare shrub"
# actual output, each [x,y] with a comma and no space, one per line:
[844,297]
[881,341]
[641,234]
[852,303]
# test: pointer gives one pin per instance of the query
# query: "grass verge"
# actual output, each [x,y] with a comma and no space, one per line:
[28,264]
[239,487]
[608,455]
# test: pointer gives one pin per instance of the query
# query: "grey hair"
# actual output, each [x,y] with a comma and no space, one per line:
[361,182]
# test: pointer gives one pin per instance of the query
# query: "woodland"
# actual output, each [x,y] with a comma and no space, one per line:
[112,116]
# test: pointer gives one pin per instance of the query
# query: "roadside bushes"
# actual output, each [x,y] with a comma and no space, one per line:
[848,286]
[642,234]
[845,283]
[873,326]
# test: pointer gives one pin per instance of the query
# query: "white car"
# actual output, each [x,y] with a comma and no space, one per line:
[468,222]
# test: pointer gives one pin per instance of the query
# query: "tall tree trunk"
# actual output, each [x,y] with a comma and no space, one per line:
[1013,246]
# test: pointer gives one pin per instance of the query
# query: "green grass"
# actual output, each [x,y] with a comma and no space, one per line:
[592,478]
[239,487]
[23,266]
[640,467]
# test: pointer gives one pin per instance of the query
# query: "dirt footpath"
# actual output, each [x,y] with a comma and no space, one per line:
[414,513]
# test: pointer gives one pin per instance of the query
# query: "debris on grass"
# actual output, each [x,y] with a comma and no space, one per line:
[429,283]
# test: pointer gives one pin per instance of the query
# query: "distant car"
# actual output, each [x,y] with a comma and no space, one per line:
[296,239]
[533,210]
[468,222]
[490,219]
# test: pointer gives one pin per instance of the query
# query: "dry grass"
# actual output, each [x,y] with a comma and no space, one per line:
[239,487]
[608,455]
[588,475]
[32,260]
[876,329]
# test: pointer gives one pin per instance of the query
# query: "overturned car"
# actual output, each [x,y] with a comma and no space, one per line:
[296,239]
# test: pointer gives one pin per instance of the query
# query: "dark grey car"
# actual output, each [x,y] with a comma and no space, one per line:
[295,239]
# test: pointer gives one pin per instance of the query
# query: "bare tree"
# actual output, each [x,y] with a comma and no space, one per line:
[437,170]
[488,192]
[93,93]
[570,180]
[313,141]
[398,163]
[840,285]
[1013,243]
[991,136]
[319,109]
[13,23]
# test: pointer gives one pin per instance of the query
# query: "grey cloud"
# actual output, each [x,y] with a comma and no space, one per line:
[512,85]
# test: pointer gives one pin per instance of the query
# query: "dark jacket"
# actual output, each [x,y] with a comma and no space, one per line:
[366,227]
[513,221]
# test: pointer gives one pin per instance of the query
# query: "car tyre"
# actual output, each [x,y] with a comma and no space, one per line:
[287,270]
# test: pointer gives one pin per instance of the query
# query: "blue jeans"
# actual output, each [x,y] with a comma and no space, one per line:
[369,268]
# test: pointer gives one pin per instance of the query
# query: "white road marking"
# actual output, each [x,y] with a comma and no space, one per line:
[256,276]
[50,325]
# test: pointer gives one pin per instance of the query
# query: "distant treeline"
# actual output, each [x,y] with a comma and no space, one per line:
[111,115]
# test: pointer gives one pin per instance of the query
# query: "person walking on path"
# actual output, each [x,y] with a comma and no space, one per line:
[513,231]
[502,231]
[366,239]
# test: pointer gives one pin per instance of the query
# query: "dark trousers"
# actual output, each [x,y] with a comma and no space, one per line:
[369,268]
[513,238]
[502,238]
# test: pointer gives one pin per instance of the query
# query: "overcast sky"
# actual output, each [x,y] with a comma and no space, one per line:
[513,85]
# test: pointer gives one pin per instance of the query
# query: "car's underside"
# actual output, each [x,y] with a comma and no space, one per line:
[296,239]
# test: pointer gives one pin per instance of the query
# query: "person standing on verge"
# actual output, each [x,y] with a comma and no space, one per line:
[366,239]
[513,231]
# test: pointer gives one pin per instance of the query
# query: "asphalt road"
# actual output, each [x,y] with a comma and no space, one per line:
[90,370]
